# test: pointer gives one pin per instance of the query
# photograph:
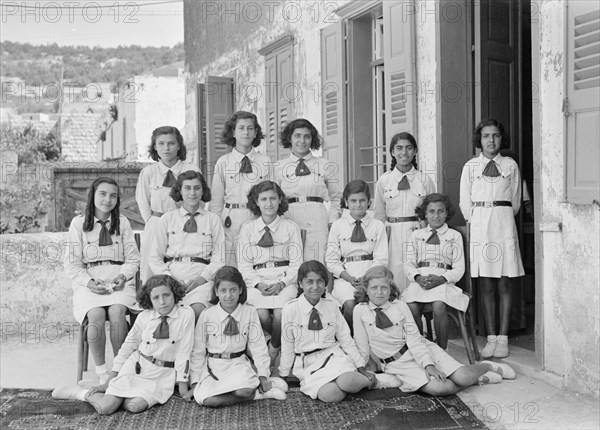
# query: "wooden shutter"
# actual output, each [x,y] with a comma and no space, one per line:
[333,96]
[219,105]
[271,95]
[582,105]
[400,76]
[287,94]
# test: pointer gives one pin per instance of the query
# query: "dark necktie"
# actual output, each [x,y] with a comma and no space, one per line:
[169,180]
[302,169]
[105,239]
[491,170]
[381,319]
[246,166]
[266,240]
[315,320]
[358,234]
[162,331]
[231,329]
[190,225]
[404,184]
[434,238]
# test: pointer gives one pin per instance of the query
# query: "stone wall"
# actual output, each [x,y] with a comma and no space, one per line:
[79,136]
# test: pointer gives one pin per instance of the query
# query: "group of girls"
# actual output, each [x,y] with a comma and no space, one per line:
[267,219]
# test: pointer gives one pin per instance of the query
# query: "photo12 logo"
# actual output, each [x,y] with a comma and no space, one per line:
[69,11]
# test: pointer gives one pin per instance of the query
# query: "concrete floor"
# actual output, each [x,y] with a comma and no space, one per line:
[529,402]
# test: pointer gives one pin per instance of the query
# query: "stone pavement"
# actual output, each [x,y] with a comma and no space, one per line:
[529,402]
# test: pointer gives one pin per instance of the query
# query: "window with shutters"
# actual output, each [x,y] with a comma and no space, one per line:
[280,92]
[582,105]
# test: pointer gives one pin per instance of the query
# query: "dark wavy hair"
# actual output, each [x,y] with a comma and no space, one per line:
[167,129]
[90,208]
[312,266]
[421,210]
[404,136]
[261,188]
[186,176]
[505,142]
[231,274]
[229,128]
[376,272]
[143,295]
[354,187]
[285,137]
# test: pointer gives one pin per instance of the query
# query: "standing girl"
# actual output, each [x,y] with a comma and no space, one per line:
[308,181]
[235,173]
[435,263]
[397,193]
[189,241]
[356,242]
[490,197]
[155,182]
[385,330]
[221,372]
[269,254]
[154,356]
[317,346]
[102,260]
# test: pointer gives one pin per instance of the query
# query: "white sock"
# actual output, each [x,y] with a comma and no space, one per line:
[258,395]
[101,369]
[81,395]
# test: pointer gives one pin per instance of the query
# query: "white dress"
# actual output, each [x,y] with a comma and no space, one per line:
[155,384]
[82,248]
[323,182]
[336,351]
[494,242]
[228,374]
[393,203]
[230,187]
[172,242]
[153,201]
[449,254]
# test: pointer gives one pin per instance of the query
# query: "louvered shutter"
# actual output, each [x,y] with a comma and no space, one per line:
[271,95]
[219,107]
[583,103]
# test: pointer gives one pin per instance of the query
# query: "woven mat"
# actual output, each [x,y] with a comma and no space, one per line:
[377,409]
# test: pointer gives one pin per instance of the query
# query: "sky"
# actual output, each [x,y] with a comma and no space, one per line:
[104,23]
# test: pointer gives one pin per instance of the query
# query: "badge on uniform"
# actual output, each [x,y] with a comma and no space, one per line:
[227,222]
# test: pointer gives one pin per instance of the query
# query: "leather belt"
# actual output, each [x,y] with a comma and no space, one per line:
[104,263]
[403,219]
[438,265]
[157,362]
[304,199]
[157,214]
[357,258]
[492,204]
[226,355]
[187,260]
[235,205]
[396,356]
[271,264]
[302,354]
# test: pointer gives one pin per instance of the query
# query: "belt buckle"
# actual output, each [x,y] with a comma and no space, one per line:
[158,362]
[488,204]
[226,355]
[186,259]
[302,199]
[270,265]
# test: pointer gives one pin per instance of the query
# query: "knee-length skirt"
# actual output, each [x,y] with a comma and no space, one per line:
[271,275]
[311,217]
[184,272]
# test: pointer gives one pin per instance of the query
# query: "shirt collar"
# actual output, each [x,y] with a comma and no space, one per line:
[398,174]
[183,212]
[98,219]
[273,226]
[172,315]
[223,315]
[164,169]
[238,156]
[306,157]
[385,306]
[365,221]
[486,160]
[307,307]
[442,230]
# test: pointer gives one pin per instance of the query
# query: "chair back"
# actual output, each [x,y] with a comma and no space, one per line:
[465,282]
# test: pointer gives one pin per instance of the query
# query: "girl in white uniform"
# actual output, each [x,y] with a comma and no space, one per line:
[155,182]
[269,254]
[397,194]
[435,263]
[153,358]
[102,259]
[384,330]
[308,181]
[222,374]
[235,173]
[356,242]
[317,346]
[490,197]
[189,241]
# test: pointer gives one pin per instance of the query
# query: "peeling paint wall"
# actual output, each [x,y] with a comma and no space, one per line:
[570,257]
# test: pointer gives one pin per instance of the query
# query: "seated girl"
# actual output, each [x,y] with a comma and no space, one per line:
[221,372]
[316,345]
[189,241]
[384,329]
[154,356]
[356,242]
[269,254]
[435,262]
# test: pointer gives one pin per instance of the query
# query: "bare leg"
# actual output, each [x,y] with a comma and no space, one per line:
[228,399]
[440,322]
[266,321]
[352,382]
[104,404]
[505,293]
[466,376]
[347,310]
[135,405]
[118,326]
[417,310]
[96,334]
[330,393]
[488,295]
[198,308]
[276,328]
[439,388]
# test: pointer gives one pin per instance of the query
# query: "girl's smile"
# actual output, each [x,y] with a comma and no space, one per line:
[229,295]
[301,142]
[314,287]
[191,193]
[105,200]
[436,214]
[357,205]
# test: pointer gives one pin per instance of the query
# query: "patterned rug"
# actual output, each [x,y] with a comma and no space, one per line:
[377,409]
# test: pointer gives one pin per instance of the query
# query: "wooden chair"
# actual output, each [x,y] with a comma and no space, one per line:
[83,349]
